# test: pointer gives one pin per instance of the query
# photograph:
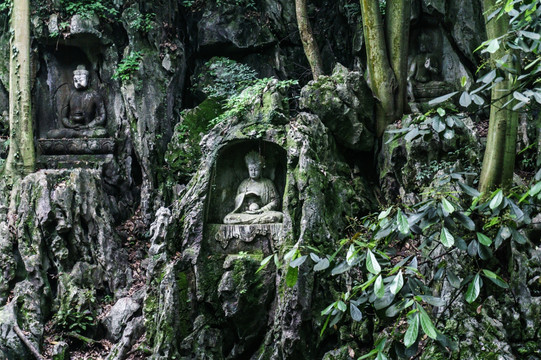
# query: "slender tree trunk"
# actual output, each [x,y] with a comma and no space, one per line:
[382,80]
[21,158]
[499,158]
[308,42]
[397,19]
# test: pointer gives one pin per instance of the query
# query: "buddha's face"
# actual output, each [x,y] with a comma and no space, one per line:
[80,81]
[254,170]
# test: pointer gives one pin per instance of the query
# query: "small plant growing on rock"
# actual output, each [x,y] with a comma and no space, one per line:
[128,66]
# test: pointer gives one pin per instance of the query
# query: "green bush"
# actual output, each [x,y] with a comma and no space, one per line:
[128,66]
[86,8]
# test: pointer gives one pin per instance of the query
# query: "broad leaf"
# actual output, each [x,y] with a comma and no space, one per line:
[397,283]
[465,99]
[453,279]
[384,214]
[441,99]
[473,289]
[432,300]
[322,265]
[292,276]
[469,190]
[351,255]
[465,220]
[372,264]
[483,239]
[340,305]
[413,331]
[298,261]
[355,313]
[492,46]
[447,205]
[403,225]
[496,199]
[426,323]
[264,263]
[495,279]
[341,268]
[379,289]
[446,237]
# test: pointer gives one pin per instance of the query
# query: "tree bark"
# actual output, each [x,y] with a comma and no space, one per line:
[500,152]
[309,44]
[382,79]
[21,158]
[397,20]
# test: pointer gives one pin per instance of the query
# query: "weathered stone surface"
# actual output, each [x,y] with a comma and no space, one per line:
[134,329]
[64,242]
[118,317]
[345,104]
[406,166]
[316,195]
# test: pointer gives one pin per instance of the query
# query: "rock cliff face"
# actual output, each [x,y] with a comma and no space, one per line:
[127,245]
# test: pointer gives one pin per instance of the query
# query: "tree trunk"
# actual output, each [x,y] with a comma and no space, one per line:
[382,79]
[499,158]
[397,19]
[308,42]
[21,158]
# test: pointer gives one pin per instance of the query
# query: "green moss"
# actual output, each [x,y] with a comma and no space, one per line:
[184,310]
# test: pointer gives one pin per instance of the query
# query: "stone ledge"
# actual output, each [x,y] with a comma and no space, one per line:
[73,161]
[76,146]
[223,233]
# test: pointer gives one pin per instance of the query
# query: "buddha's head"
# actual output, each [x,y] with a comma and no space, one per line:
[254,163]
[80,78]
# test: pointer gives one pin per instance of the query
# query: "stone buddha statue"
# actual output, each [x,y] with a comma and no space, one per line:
[257,199]
[83,114]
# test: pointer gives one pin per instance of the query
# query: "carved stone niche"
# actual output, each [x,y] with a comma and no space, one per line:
[244,210]
[427,63]
[71,116]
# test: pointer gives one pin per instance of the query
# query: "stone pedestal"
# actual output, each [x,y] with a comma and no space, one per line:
[75,153]
[235,238]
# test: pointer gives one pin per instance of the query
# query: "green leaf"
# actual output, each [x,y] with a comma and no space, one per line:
[535,189]
[446,237]
[403,225]
[384,214]
[413,331]
[426,324]
[432,300]
[379,289]
[483,239]
[463,80]
[453,279]
[489,77]
[351,255]
[495,279]
[341,268]
[530,35]
[440,111]
[465,220]
[397,283]
[477,99]
[298,261]
[381,356]
[322,265]
[340,305]
[355,313]
[449,134]
[465,99]
[372,264]
[518,237]
[496,199]
[469,190]
[520,97]
[447,205]
[492,46]
[292,276]
[264,263]
[473,289]
[289,255]
[437,124]
[328,309]
[442,98]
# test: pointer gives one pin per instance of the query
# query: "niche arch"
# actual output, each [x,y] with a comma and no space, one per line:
[229,170]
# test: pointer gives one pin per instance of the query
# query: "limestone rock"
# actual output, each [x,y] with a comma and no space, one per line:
[345,104]
[118,317]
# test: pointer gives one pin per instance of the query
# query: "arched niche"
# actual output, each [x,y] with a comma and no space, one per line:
[229,170]
[55,82]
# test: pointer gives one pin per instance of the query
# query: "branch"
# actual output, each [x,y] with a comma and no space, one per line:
[27,342]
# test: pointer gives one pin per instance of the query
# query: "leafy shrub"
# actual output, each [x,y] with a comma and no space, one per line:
[383,259]
[128,66]
[85,8]
[223,77]
[143,23]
